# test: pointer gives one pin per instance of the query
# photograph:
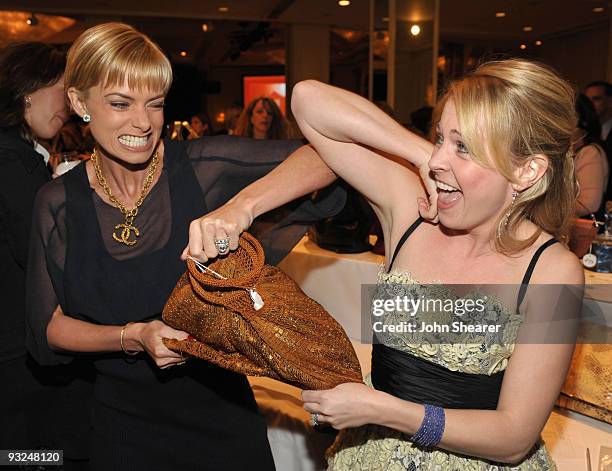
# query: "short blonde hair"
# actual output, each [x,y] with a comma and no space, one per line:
[110,53]
[509,111]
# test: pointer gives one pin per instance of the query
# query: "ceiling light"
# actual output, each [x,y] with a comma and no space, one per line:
[183,53]
[523,46]
[538,43]
[344,3]
[224,9]
[527,28]
[415,30]
[500,14]
[598,9]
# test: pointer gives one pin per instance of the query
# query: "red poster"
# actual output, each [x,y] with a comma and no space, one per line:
[272,86]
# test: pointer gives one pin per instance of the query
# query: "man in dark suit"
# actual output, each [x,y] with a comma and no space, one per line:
[600,93]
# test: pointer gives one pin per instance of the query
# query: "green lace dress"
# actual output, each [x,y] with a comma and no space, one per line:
[377,448]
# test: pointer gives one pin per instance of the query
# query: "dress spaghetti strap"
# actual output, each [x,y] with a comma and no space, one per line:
[403,239]
[530,268]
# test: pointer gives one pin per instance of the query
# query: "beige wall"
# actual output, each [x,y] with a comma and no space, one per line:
[413,69]
[307,54]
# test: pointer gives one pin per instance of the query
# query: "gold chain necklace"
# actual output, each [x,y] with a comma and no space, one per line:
[123,232]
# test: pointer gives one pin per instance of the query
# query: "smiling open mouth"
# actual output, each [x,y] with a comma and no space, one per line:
[134,142]
[447,194]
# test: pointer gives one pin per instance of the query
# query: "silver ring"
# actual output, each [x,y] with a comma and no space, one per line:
[314,420]
[222,246]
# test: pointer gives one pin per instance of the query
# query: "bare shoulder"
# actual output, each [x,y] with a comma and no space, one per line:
[558,265]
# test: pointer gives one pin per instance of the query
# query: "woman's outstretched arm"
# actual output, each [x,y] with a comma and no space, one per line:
[300,174]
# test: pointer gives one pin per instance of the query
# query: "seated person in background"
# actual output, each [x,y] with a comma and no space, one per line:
[262,119]
[200,125]
[600,94]
[590,161]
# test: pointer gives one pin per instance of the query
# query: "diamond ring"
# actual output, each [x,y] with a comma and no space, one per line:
[222,246]
[314,420]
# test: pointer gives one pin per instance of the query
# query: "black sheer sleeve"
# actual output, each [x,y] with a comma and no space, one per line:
[224,165]
[45,271]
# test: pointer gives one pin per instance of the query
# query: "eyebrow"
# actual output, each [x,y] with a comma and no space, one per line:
[127,97]
[439,130]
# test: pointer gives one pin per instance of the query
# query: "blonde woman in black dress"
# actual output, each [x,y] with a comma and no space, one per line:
[106,253]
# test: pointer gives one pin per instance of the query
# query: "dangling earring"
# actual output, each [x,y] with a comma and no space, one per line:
[28,101]
[506,218]
[86,118]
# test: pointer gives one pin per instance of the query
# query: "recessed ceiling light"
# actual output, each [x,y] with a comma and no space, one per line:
[183,53]
[538,43]
[598,9]
[344,3]
[415,30]
[527,28]
[523,46]
[500,14]
[224,9]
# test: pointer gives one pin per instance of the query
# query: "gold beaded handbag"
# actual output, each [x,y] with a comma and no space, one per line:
[253,319]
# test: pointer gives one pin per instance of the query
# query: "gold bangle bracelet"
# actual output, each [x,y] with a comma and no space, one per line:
[127,352]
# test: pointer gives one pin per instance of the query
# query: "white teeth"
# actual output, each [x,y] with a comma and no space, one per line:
[445,187]
[134,141]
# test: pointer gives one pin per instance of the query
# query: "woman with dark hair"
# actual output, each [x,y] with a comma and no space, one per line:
[32,107]
[262,119]
[201,125]
[591,162]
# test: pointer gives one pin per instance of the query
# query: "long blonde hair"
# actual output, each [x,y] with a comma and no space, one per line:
[509,111]
[110,53]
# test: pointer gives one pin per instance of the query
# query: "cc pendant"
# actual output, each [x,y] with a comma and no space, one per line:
[124,235]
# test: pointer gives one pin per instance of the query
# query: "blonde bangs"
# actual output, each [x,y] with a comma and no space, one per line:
[113,53]
[484,119]
[141,70]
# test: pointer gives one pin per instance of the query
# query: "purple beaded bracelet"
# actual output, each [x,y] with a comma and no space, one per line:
[431,430]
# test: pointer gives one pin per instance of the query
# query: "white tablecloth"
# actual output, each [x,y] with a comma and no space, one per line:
[335,281]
